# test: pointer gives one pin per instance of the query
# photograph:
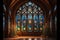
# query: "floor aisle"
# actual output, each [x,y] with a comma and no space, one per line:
[30,38]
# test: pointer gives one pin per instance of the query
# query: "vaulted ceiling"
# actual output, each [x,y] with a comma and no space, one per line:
[46,5]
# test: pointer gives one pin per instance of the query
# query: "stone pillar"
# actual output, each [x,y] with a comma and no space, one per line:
[53,26]
[46,24]
[6,24]
[11,28]
[12,24]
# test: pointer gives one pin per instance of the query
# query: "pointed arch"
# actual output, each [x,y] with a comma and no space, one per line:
[30,16]
[19,3]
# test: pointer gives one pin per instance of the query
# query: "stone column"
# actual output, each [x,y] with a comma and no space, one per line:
[46,24]
[12,24]
[53,26]
[6,23]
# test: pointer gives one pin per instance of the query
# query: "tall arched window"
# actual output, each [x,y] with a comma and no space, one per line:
[3,21]
[30,17]
[23,22]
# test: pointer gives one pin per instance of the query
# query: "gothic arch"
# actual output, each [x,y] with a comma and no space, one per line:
[18,4]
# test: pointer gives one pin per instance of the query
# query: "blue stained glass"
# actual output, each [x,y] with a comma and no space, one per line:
[41,16]
[29,3]
[35,17]
[30,8]
[23,17]
[30,16]
[36,28]
[30,28]
[17,17]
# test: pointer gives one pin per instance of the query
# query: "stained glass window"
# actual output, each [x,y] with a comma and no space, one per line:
[35,18]
[18,18]
[23,27]
[31,17]
[23,17]
[24,22]
[36,27]
[29,28]
[41,20]
[41,17]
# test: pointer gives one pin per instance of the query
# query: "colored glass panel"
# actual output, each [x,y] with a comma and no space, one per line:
[29,28]
[23,17]
[29,16]
[23,27]
[36,17]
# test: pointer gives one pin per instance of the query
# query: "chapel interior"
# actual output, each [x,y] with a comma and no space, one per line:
[30,19]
